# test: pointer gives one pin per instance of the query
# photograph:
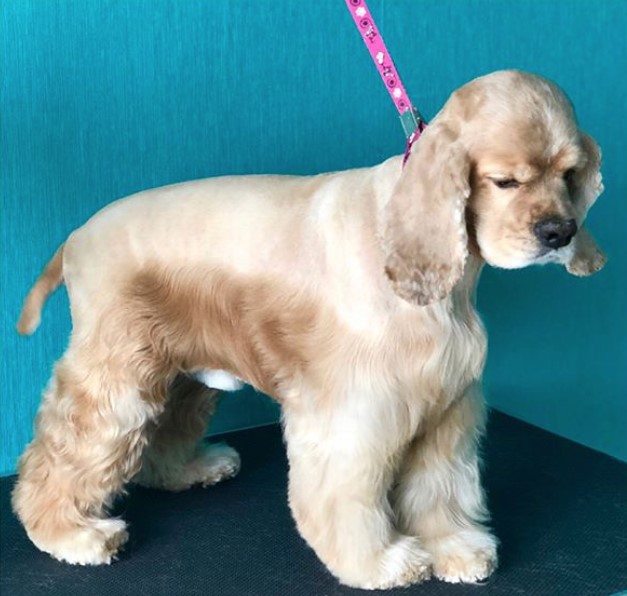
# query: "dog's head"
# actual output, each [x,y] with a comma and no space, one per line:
[504,171]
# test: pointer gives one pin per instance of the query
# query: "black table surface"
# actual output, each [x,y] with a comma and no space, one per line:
[559,510]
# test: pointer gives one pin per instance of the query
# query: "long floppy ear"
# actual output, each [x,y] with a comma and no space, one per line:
[588,258]
[587,185]
[424,231]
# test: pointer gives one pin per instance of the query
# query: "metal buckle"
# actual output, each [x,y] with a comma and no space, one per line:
[410,121]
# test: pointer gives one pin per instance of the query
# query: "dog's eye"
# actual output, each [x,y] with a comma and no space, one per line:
[508,183]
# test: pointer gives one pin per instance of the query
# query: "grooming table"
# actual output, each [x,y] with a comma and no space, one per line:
[559,509]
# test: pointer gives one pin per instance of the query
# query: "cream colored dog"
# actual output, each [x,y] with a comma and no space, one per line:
[346,296]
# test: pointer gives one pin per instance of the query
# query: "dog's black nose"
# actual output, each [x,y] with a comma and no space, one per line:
[555,232]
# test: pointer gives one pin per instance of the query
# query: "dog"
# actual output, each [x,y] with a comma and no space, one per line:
[346,296]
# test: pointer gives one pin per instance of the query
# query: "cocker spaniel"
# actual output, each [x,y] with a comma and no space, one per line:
[348,297]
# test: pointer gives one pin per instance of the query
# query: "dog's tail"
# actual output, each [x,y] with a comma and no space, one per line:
[49,280]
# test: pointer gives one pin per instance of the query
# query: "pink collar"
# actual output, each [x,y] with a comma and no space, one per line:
[412,122]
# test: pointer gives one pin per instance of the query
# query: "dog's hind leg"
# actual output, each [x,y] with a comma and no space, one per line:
[89,435]
[176,457]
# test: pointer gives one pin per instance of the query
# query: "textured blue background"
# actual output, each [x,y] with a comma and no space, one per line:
[104,98]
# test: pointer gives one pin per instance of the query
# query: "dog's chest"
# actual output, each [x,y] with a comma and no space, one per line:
[442,352]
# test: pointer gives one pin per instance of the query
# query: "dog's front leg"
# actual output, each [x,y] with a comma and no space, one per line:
[341,466]
[439,497]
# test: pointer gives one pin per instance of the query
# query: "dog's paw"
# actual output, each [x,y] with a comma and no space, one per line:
[96,544]
[213,464]
[468,556]
[208,465]
[404,563]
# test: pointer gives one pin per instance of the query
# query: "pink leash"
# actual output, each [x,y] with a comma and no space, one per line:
[412,122]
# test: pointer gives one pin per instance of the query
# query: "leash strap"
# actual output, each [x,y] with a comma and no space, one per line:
[412,122]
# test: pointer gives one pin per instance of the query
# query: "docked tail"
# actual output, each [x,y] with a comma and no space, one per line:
[50,279]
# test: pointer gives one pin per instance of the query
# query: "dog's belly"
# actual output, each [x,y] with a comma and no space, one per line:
[218,379]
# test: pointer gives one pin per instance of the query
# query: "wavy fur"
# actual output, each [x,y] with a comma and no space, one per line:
[348,297]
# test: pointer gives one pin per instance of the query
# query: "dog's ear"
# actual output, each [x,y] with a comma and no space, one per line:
[588,258]
[586,185]
[424,230]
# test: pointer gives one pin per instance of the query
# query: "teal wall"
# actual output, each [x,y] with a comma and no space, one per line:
[104,98]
